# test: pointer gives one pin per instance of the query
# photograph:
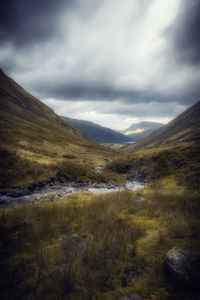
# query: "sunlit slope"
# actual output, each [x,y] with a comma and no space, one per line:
[140,130]
[36,143]
[184,128]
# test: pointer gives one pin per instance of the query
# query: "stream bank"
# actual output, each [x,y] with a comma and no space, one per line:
[15,196]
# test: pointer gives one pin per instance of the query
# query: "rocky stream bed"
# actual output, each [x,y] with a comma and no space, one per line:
[55,190]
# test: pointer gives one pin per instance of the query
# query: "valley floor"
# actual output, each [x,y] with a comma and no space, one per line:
[98,246]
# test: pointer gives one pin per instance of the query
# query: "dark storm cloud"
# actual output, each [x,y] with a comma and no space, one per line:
[184,33]
[26,21]
[121,53]
[92,92]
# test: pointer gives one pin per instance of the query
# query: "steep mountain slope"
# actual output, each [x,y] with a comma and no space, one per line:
[98,133]
[184,128]
[140,130]
[170,153]
[36,143]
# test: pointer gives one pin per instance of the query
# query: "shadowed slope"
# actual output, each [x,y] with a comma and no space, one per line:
[98,133]
[37,144]
[15,100]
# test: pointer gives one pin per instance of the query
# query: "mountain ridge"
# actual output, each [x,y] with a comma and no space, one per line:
[142,129]
[36,144]
[184,128]
[98,133]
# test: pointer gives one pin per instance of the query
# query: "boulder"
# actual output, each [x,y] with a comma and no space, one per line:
[99,169]
[14,192]
[183,269]
[107,159]
[130,275]
[134,297]
[130,297]
[60,278]
[59,273]
[77,242]
[4,202]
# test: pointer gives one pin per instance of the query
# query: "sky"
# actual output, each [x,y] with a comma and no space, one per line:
[113,62]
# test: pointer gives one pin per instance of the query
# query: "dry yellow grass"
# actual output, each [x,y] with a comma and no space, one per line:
[115,232]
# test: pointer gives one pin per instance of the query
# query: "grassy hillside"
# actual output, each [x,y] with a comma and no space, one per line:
[184,128]
[98,133]
[173,150]
[37,144]
[179,162]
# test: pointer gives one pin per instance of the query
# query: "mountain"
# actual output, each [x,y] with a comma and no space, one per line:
[170,153]
[140,130]
[37,144]
[184,128]
[98,133]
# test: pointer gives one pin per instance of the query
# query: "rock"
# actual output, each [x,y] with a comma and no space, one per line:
[107,160]
[130,297]
[61,278]
[130,275]
[39,292]
[140,198]
[134,297]
[189,297]
[4,201]
[14,192]
[75,246]
[74,239]
[28,200]
[183,269]
[99,169]
[59,273]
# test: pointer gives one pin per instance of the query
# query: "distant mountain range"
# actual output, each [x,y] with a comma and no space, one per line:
[97,133]
[100,134]
[184,128]
[140,130]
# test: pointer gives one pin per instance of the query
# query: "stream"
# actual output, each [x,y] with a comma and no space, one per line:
[60,191]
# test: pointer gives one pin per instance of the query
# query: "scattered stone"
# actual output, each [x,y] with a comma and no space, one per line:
[130,297]
[59,273]
[14,192]
[131,275]
[189,297]
[61,279]
[140,198]
[75,246]
[73,239]
[183,269]
[107,160]
[39,292]
[28,200]
[76,238]
[99,169]
[4,202]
